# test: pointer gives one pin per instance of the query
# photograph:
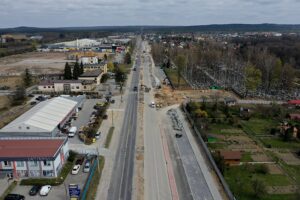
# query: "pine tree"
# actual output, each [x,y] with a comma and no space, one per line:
[127,59]
[81,68]
[76,71]
[68,73]
[27,78]
[105,57]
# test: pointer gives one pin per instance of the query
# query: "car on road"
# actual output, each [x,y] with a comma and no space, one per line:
[135,88]
[178,135]
[97,135]
[87,166]
[152,104]
[34,190]
[75,169]
[112,101]
[134,69]
[45,190]
[14,197]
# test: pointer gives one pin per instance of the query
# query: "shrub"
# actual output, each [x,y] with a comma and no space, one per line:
[262,169]
[72,156]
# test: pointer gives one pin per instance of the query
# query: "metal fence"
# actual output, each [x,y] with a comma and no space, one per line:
[209,156]
[88,182]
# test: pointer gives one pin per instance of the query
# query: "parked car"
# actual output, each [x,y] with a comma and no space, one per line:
[178,135]
[87,166]
[72,131]
[30,95]
[135,88]
[75,169]
[112,101]
[33,103]
[14,197]
[97,135]
[45,190]
[79,161]
[34,190]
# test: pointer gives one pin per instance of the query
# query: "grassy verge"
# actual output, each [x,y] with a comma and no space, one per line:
[172,75]
[92,191]
[50,181]
[109,137]
[9,189]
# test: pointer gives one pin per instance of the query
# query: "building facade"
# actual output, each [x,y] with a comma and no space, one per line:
[65,86]
[34,157]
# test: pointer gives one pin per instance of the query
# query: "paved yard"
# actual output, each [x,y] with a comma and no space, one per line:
[57,192]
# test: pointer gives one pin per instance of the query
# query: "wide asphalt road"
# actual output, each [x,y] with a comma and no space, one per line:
[121,182]
[157,185]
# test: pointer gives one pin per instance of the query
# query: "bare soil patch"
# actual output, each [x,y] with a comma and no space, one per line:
[38,62]
[274,169]
[288,157]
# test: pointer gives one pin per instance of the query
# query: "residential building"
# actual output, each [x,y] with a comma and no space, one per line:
[65,86]
[43,120]
[92,75]
[33,157]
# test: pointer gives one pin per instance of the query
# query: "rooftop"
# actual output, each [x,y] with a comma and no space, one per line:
[44,117]
[231,155]
[93,73]
[23,148]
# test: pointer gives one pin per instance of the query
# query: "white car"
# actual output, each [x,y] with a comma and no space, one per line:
[75,169]
[45,190]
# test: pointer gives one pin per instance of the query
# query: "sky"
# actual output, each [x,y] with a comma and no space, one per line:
[70,13]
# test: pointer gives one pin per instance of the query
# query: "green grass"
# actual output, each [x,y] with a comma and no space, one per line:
[260,126]
[280,197]
[109,137]
[91,193]
[217,145]
[9,189]
[246,157]
[239,180]
[126,67]
[172,75]
[275,179]
[50,181]
[279,143]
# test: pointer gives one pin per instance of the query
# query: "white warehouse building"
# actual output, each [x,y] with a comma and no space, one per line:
[43,120]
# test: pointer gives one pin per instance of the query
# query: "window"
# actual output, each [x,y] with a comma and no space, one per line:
[84,87]
[48,173]
[20,164]
[45,87]
[49,86]
[33,163]
[53,86]
[47,163]
[7,163]
[72,87]
[77,87]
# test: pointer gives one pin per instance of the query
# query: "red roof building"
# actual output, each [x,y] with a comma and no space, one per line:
[33,157]
[294,102]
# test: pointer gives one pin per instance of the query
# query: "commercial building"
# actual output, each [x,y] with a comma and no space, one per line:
[65,86]
[43,120]
[33,157]
[93,75]
[88,60]
[90,67]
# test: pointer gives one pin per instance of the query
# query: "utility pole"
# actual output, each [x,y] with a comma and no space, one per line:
[112,117]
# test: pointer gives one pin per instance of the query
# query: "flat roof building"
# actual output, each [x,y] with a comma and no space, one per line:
[43,120]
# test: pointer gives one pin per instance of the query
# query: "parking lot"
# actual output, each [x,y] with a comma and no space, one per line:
[57,192]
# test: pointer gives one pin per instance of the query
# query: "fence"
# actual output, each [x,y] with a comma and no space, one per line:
[209,156]
[88,182]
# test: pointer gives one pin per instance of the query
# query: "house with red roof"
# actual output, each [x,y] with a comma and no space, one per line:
[33,157]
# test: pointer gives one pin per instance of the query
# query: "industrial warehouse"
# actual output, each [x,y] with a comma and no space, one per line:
[44,120]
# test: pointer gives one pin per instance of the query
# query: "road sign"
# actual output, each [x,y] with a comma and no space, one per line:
[74,190]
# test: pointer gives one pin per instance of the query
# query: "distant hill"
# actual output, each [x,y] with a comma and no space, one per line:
[197,28]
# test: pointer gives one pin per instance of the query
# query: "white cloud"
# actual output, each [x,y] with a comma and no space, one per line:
[48,13]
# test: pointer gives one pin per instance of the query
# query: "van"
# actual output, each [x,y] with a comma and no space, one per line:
[72,131]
